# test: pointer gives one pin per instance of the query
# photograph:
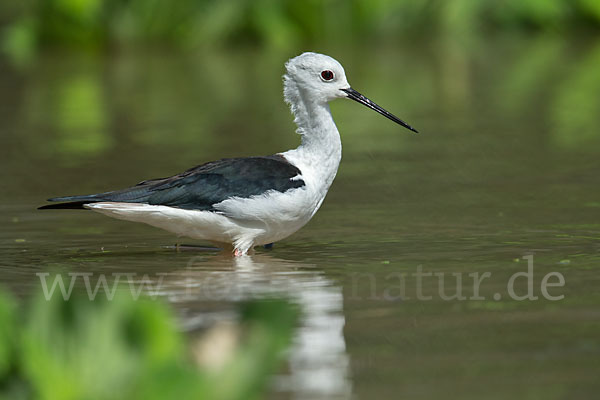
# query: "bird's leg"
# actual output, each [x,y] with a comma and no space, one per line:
[238,253]
[177,247]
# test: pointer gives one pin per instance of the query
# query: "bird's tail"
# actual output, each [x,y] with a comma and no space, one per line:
[71,202]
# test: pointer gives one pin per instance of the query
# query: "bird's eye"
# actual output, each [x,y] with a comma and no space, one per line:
[327,75]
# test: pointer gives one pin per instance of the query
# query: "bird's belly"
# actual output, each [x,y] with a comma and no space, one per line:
[277,214]
[203,225]
[249,221]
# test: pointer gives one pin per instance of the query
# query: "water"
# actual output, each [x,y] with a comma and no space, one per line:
[506,167]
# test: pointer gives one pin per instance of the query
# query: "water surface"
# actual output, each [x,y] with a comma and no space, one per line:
[506,167]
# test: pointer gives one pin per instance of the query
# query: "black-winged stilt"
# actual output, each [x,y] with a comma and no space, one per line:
[245,202]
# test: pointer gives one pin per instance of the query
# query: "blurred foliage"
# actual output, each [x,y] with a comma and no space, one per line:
[577,103]
[96,23]
[125,349]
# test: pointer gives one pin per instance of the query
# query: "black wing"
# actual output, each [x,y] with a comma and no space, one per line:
[201,187]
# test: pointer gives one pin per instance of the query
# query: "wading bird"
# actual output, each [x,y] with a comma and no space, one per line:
[245,202]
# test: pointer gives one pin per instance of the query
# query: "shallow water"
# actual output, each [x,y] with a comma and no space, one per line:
[506,167]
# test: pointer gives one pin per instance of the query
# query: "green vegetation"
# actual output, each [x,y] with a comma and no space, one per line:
[125,349]
[95,23]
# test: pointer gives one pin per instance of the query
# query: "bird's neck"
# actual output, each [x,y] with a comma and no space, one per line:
[314,121]
[319,132]
[321,147]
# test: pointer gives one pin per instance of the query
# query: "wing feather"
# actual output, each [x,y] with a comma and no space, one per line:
[201,187]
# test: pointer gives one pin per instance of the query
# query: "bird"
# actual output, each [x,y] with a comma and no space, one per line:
[240,203]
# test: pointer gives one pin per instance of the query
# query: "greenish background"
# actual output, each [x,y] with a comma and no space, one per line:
[99,95]
[93,24]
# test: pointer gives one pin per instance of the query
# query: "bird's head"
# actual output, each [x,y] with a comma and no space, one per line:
[316,75]
[313,77]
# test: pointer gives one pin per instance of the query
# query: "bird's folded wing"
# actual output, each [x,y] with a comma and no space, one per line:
[201,187]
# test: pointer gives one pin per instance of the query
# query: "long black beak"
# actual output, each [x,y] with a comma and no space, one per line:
[354,95]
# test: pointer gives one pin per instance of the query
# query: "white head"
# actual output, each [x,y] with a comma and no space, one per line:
[316,75]
[317,78]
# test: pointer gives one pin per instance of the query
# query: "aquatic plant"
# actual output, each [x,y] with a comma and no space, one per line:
[126,349]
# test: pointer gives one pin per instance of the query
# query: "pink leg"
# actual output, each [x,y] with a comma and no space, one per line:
[237,253]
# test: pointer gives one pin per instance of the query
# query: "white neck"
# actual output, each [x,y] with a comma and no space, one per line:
[320,152]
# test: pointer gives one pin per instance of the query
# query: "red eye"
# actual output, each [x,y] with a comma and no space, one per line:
[327,75]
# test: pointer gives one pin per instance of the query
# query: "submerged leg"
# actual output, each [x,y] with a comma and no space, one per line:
[242,246]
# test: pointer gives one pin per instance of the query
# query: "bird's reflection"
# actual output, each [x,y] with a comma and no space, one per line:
[318,363]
